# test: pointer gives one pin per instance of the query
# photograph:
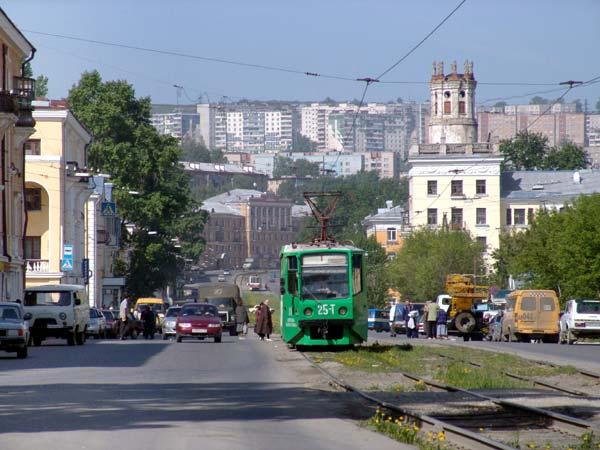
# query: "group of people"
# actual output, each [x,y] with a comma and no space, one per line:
[434,320]
[264,320]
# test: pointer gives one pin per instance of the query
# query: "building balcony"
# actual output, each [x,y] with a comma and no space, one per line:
[24,92]
[38,266]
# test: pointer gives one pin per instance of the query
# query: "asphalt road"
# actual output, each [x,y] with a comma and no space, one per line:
[163,395]
[584,356]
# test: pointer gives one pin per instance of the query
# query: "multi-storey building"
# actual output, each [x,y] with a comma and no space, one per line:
[389,225]
[179,121]
[16,125]
[57,187]
[247,127]
[454,182]
[247,224]
[592,130]
[562,123]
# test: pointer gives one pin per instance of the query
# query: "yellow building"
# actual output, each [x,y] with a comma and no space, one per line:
[388,226]
[16,124]
[57,190]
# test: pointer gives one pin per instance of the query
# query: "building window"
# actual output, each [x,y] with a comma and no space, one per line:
[33,199]
[457,187]
[480,187]
[457,218]
[391,235]
[530,215]
[431,187]
[482,240]
[33,147]
[432,216]
[447,108]
[520,216]
[508,216]
[33,245]
[461,108]
[481,216]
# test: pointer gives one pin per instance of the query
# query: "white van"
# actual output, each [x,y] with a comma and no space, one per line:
[57,310]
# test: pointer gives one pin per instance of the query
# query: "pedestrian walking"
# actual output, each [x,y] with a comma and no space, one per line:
[123,317]
[432,313]
[148,319]
[264,323]
[407,308]
[241,319]
[412,325]
[394,312]
[424,317]
[442,324]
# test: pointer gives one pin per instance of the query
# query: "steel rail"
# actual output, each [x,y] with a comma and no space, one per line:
[522,378]
[454,434]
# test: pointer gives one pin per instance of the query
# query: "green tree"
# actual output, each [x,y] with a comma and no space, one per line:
[561,250]
[427,256]
[41,86]
[303,144]
[376,280]
[139,159]
[537,100]
[526,151]
[510,246]
[194,152]
[567,157]
[301,167]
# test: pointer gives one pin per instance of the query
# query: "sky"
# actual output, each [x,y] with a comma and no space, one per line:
[509,41]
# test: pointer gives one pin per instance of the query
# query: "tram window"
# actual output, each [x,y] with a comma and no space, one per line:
[356,274]
[292,275]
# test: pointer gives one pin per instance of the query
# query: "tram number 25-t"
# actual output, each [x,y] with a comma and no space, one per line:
[325,310]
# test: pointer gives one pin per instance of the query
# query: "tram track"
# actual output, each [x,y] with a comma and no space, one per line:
[461,429]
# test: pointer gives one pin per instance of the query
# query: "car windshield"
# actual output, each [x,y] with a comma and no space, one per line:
[10,313]
[173,312]
[33,298]
[156,308]
[220,302]
[199,310]
[588,307]
[108,315]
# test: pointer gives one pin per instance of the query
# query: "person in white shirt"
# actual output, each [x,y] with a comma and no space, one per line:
[123,313]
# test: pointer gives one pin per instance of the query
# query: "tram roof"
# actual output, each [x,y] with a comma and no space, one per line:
[290,248]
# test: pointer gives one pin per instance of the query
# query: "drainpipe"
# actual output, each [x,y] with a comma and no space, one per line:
[28,59]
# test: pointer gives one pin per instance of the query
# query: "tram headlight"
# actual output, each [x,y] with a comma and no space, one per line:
[343,310]
[62,316]
[308,311]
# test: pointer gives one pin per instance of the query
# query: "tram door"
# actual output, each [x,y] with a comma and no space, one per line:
[292,285]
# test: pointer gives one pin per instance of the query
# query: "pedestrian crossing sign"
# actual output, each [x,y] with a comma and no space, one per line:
[108,209]
[66,265]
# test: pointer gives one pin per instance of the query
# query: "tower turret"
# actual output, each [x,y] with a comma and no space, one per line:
[453,118]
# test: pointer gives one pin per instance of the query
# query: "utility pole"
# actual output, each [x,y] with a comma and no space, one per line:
[178,89]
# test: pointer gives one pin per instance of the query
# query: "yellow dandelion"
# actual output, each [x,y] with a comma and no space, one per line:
[401,417]
[531,445]
[441,435]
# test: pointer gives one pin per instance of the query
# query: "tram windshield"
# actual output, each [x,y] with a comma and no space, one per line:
[325,276]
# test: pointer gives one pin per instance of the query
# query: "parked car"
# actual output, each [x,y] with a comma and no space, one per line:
[57,310]
[580,319]
[199,321]
[226,272]
[14,329]
[495,329]
[168,325]
[221,277]
[378,320]
[110,317]
[531,315]
[490,310]
[97,324]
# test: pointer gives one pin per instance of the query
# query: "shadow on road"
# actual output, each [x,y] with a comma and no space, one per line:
[72,407]
[115,354]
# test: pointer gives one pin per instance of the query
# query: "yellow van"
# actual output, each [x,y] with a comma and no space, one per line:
[531,314]
[156,304]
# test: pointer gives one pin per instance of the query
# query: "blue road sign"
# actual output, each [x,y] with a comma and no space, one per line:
[108,209]
[66,264]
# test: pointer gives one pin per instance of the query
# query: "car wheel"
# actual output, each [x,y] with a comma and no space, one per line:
[22,352]
[178,338]
[217,339]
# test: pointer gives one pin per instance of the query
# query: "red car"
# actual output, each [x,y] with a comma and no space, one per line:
[198,320]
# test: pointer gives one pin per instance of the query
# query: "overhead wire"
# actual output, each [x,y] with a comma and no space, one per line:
[406,55]
[196,57]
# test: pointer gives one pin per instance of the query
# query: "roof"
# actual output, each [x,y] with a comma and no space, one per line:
[318,246]
[234,196]
[219,208]
[549,184]
[56,288]
[14,34]
[233,169]
[395,212]
[300,211]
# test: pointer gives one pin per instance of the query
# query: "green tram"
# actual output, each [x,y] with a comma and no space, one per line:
[323,297]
